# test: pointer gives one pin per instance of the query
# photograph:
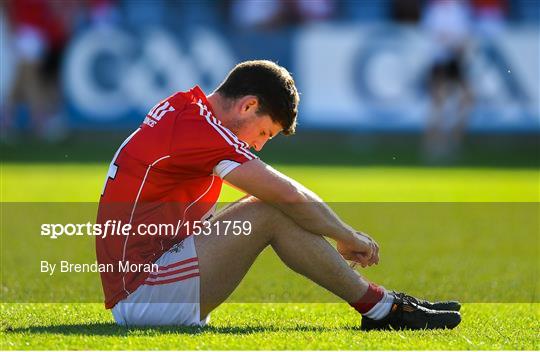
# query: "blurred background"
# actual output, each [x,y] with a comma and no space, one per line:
[389,82]
[390,91]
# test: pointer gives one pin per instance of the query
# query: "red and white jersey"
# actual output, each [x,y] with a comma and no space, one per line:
[169,171]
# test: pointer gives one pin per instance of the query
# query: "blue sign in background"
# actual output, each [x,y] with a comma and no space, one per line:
[350,76]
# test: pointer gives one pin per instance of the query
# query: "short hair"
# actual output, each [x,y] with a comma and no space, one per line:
[273,86]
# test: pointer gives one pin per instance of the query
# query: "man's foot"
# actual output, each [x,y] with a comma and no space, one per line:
[405,314]
[444,305]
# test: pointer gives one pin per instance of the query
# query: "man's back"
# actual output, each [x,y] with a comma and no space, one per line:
[167,172]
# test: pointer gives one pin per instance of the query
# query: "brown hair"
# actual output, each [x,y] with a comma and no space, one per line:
[273,86]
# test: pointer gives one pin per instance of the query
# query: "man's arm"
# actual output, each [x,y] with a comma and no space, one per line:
[304,207]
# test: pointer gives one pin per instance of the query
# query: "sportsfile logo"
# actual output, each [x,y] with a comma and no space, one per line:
[110,227]
[119,228]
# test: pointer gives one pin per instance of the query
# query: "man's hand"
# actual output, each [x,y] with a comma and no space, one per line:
[360,248]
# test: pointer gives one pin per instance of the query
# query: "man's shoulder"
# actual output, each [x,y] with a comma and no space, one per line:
[193,96]
[195,126]
[189,104]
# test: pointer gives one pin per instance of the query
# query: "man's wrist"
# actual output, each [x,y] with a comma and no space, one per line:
[344,234]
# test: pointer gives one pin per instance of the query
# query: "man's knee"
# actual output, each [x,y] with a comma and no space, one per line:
[275,221]
[263,214]
[265,219]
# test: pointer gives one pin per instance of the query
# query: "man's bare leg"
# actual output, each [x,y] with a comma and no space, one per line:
[224,260]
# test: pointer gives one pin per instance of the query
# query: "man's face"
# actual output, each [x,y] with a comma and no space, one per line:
[257,130]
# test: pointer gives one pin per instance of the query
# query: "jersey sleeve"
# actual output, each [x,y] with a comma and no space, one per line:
[234,154]
[223,168]
[204,146]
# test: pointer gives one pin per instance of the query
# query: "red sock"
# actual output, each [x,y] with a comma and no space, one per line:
[372,296]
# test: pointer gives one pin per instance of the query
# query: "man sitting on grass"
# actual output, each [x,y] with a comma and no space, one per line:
[170,171]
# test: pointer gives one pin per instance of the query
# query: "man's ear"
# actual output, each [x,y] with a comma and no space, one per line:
[250,102]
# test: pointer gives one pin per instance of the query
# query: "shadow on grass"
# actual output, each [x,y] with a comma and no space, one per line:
[112,329]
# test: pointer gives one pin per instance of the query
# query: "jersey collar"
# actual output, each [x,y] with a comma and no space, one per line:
[199,94]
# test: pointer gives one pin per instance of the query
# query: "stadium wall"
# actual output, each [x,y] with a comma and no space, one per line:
[352,77]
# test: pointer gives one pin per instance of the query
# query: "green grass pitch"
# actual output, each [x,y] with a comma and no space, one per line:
[410,244]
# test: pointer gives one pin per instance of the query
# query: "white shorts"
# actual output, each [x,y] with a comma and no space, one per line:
[169,296]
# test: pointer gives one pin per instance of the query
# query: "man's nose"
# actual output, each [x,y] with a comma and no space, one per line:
[258,145]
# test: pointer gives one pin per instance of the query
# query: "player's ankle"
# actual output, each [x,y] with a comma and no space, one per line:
[375,304]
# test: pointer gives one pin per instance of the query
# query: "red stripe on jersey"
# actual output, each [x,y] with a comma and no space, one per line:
[174,265]
[174,272]
[163,282]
